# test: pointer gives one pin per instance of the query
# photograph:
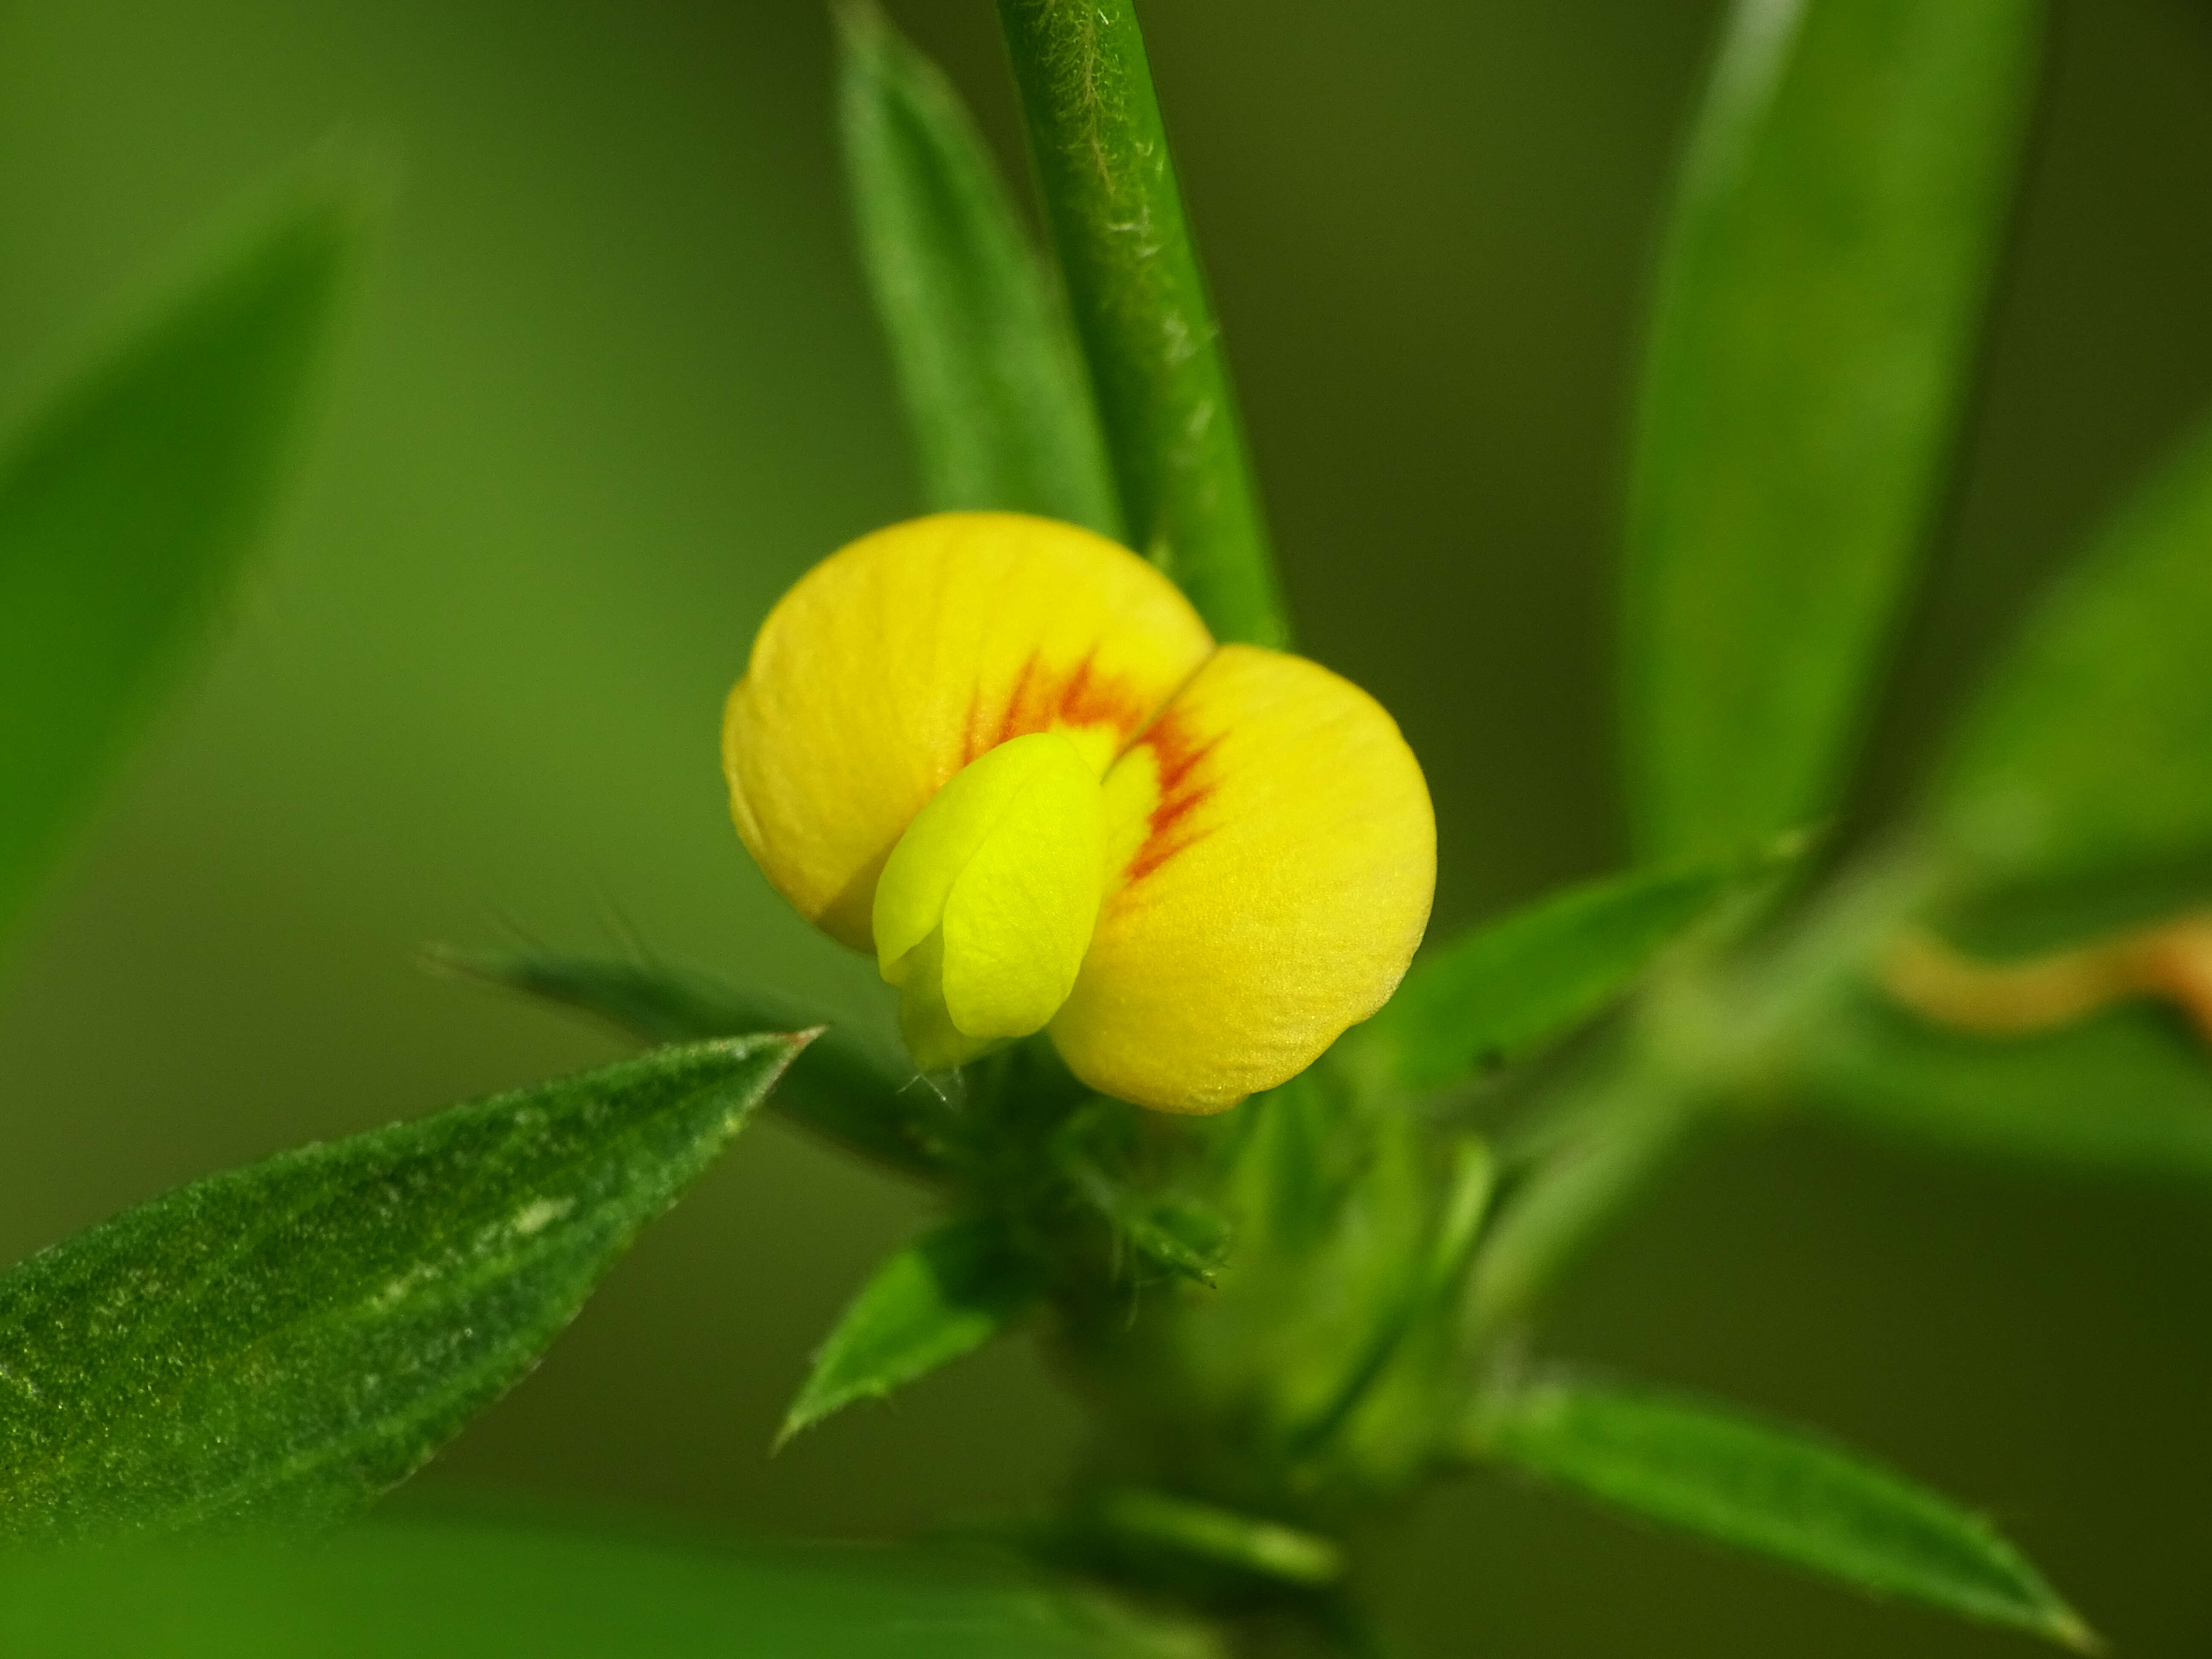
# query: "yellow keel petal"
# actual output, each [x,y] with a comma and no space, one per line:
[987,904]
[1273,857]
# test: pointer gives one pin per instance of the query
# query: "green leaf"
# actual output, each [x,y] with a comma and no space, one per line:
[128,507]
[281,1343]
[1141,309]
[1836,224]
[996,390]
[1493,992]
[464,1588]
[859,1094]
[2128,1093]
[940,1297]
[2091,753]
[1776,1491]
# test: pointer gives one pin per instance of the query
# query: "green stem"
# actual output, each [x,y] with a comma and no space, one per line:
[1633,1135]
[1141,308]
[1711,1041]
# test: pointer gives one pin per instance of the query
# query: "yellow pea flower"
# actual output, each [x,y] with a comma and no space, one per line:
[1003,754]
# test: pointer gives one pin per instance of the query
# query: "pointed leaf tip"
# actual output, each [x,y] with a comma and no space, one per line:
[846,1088]
[942,1296]
[1776,1491]
[279,1344]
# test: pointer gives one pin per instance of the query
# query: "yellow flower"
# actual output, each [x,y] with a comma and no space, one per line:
[1003,754]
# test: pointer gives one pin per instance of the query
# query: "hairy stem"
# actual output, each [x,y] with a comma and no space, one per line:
[1141,308]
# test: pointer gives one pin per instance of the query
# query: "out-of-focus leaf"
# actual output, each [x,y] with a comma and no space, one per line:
[1835,226]
[1286,1160]
[1776,1491]
[1416,1326]
[996,394]
[860,1094]
[2090,756]
[1142,310]
[1493,993]
[281,1343]
[938,1298]
[1309,1307]
[463,1589]
[1160,1522]
[2127,1093]
[128,507]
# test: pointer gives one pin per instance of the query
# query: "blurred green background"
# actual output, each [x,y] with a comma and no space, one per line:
[613,385]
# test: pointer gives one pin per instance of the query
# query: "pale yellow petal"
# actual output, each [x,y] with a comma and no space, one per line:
[908,654]
[1000,877]
[1272,861]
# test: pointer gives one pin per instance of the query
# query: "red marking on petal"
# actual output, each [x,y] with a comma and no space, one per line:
[971,738]
[1182,789]
[1042,700]
[1016,722]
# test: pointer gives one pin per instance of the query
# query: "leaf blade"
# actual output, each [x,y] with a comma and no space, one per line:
[993,382]
[941,1297]
[1498,989]
[129,506]
[280,1343]
[2126,1095]
[1142,310]
[2085,759]
[1779,1493]
[857,1094]
[1837,220]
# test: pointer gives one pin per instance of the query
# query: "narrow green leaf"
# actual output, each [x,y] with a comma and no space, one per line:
[996,394]
[1492,993]
[1776,1491]
[1141,309]
[2128,1093]
[281,1343]
[1836,224]
[938,1298]
[859,1094]
[128,507]
[2091,753]
[464,1589]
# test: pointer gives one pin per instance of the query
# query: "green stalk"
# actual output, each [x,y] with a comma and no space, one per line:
[1141,309]
[1714,1041]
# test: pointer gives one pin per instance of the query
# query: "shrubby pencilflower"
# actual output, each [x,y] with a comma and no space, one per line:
[1003,754]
